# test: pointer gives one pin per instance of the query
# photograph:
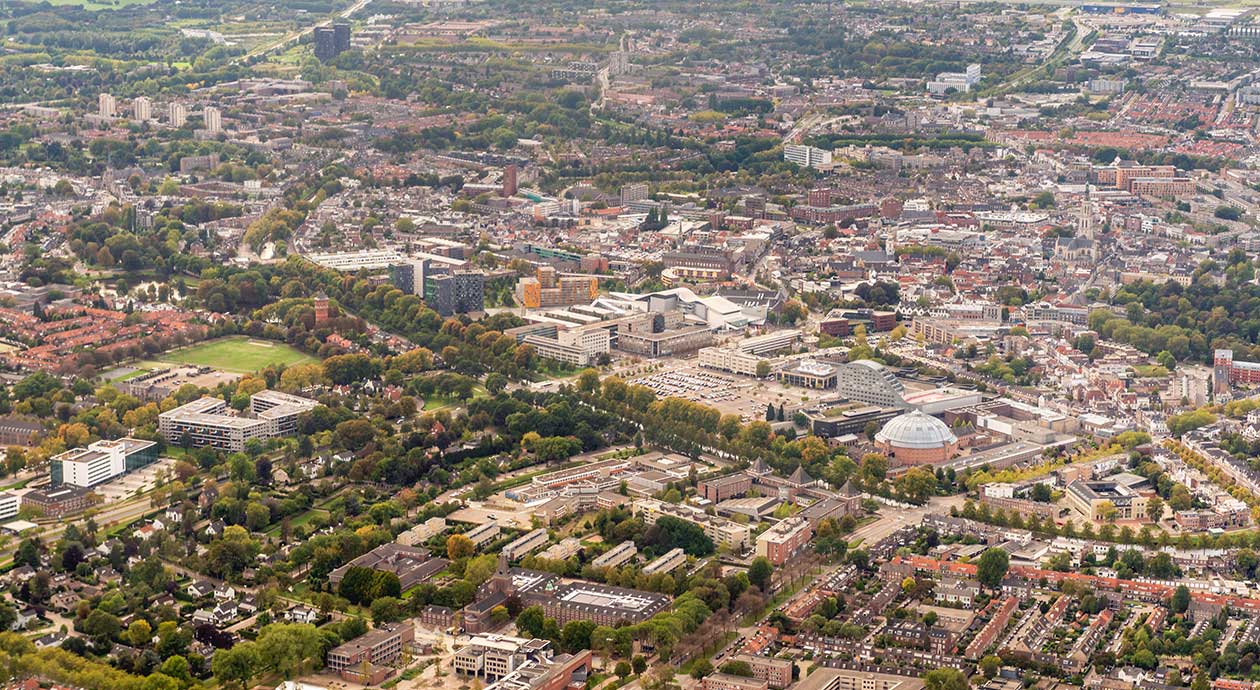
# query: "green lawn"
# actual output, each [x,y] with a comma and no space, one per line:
[299,521]
[237,354]
[438,402]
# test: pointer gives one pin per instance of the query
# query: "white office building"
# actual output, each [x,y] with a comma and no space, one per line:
[9,505]
[729,359]
[100,462]
[960,82]
[808,156]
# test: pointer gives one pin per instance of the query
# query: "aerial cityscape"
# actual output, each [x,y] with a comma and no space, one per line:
[604,344]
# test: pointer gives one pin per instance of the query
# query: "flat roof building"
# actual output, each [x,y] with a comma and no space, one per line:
[783,541]
[667,563]
[365,659]
[100,461]
[206,421]
[526,543]
[619,554]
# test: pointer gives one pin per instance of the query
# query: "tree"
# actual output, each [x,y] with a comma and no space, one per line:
[737,668]
[1180,599]
[759,572]
[639,663]
[945,679]
[530,622]
[387,610]
[670,532]
[459,546]
[139,633]
[576,636]
[763,368]
[1166,360]
[588,380]
[480,568]
[1107,511]
[770,412]
[1200,682]
[992,567]
[496,383]
[623,669]
[177,667]
[236,665]
[102,625]
[1155,509]
[989,666]
[291,648]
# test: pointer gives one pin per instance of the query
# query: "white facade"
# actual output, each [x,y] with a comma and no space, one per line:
[176,114]
[107,106]
[667,563]
[142,109]
[9,504]
[213,120]
[729,359]
[807,156]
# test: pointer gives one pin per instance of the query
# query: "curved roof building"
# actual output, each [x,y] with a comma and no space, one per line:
[915,438]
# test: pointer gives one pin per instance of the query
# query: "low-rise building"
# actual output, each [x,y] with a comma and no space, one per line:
[526,543]
[484,533]
[365,659]
[777,673]
[667,563]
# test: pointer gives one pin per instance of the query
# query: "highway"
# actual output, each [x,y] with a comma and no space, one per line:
[293,37]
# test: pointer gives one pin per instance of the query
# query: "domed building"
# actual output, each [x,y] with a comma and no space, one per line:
[915,438]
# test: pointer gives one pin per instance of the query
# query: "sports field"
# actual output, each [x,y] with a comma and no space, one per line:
[237,354]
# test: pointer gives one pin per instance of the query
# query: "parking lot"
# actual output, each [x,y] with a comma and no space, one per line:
[132,483]
[742,396]
[695,385]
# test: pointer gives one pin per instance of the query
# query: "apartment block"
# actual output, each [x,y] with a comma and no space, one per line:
[667,563]
[776,672]
[483,534]
[206,422]
[526,543]
[783,541]
[621,553]
[549,289]
[726,681]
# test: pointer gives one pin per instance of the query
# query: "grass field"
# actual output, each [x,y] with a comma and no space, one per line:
[438,402]
[237,354]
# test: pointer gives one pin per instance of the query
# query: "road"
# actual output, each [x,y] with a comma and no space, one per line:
[1070,47]
[293,37]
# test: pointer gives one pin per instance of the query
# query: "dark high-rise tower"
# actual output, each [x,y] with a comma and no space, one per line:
[325,43]
[341,37]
